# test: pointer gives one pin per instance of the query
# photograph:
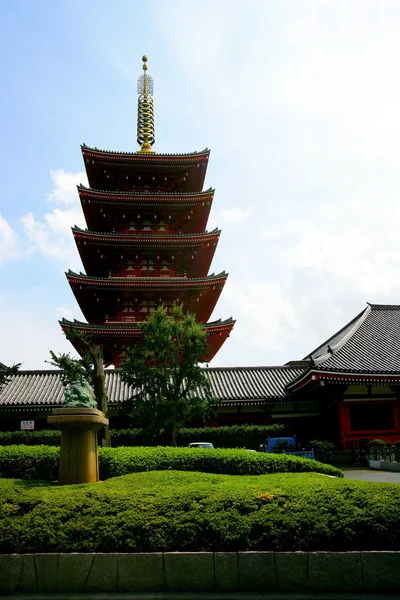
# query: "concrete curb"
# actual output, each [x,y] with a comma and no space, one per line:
[210,574]
[384,465]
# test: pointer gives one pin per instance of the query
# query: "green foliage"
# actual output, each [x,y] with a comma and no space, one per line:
[170,388]
[176,511]
[73,369]
[6,374]
[377,443]
[323,450]
[46,437]
[29,462]
[121,461]
[41,462]
[237,436]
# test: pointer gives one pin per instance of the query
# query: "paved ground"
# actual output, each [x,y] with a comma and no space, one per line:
[372,475]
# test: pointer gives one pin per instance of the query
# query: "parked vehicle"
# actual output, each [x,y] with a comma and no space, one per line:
[287,445]
[201,445]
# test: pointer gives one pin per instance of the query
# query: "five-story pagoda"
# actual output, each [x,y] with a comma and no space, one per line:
[145,242]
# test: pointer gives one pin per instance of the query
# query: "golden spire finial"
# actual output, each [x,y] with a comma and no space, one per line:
[145,122]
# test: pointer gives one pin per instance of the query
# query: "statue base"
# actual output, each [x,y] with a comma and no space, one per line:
[79,461]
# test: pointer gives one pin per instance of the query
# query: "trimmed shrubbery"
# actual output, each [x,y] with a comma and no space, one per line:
[41,462]
[46,437]
[237,436]
[177,511]
[121,461]
[29,462]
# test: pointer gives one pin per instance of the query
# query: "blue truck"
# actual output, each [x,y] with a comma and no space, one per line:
[285,445]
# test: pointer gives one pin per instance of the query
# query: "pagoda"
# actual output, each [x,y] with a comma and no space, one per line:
[146,242]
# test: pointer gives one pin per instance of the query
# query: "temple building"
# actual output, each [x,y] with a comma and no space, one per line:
[146,242]
[345,390]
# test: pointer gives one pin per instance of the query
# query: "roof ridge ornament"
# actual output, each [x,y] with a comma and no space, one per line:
[145,118]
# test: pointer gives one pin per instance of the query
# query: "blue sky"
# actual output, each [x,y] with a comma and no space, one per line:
[298,101]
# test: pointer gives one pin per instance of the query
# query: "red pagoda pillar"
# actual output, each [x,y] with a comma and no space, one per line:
[146,242]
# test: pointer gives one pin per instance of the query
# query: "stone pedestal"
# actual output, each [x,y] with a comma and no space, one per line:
[79,461]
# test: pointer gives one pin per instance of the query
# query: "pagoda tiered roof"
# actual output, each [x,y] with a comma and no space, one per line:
[112,335]
[97,205]
[100,298]
[194,251]
[123,170]
[146,242]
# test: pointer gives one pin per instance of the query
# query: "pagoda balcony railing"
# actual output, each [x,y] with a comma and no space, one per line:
[156,229]
[132,318]
[139,272]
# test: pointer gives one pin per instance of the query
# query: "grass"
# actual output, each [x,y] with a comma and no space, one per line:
[192,511]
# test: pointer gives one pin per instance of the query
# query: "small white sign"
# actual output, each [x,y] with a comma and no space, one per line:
[28,425]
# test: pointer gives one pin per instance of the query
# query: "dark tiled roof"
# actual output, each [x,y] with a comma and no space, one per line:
[369,343]
[251,383]
[2,366]
[230,385]
[44,388]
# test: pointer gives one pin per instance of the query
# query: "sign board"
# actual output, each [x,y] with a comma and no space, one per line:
[27,425]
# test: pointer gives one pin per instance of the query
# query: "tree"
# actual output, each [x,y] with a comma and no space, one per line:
[90,366]
[169,387]
[7,373]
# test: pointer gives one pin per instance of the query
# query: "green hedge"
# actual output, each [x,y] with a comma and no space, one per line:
[237,436]
[47,437]
[176,511]
[41,462]
[29,462]
[121,461]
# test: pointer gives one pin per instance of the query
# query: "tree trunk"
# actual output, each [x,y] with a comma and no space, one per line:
[100,391]
[174,435]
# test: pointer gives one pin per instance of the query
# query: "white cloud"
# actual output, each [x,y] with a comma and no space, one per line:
[64,191]
[9,242]
[68,313]
[265,317]
[38,331]
[52,237]
[234,215]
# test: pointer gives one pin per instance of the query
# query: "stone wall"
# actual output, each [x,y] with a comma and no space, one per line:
[201,572]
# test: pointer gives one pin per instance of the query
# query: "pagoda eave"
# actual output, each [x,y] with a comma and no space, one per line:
[184,255]
[101,165]
[110,304]
[191,240]
[113,336]
[103,210]
[141,158]
[144,283]
[149,197]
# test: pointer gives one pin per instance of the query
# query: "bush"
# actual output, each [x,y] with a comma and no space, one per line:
[237,436]
[47,437]
[121,461]
[377,443]
[41,462]
[29,462]
[191,512]
[323,450]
